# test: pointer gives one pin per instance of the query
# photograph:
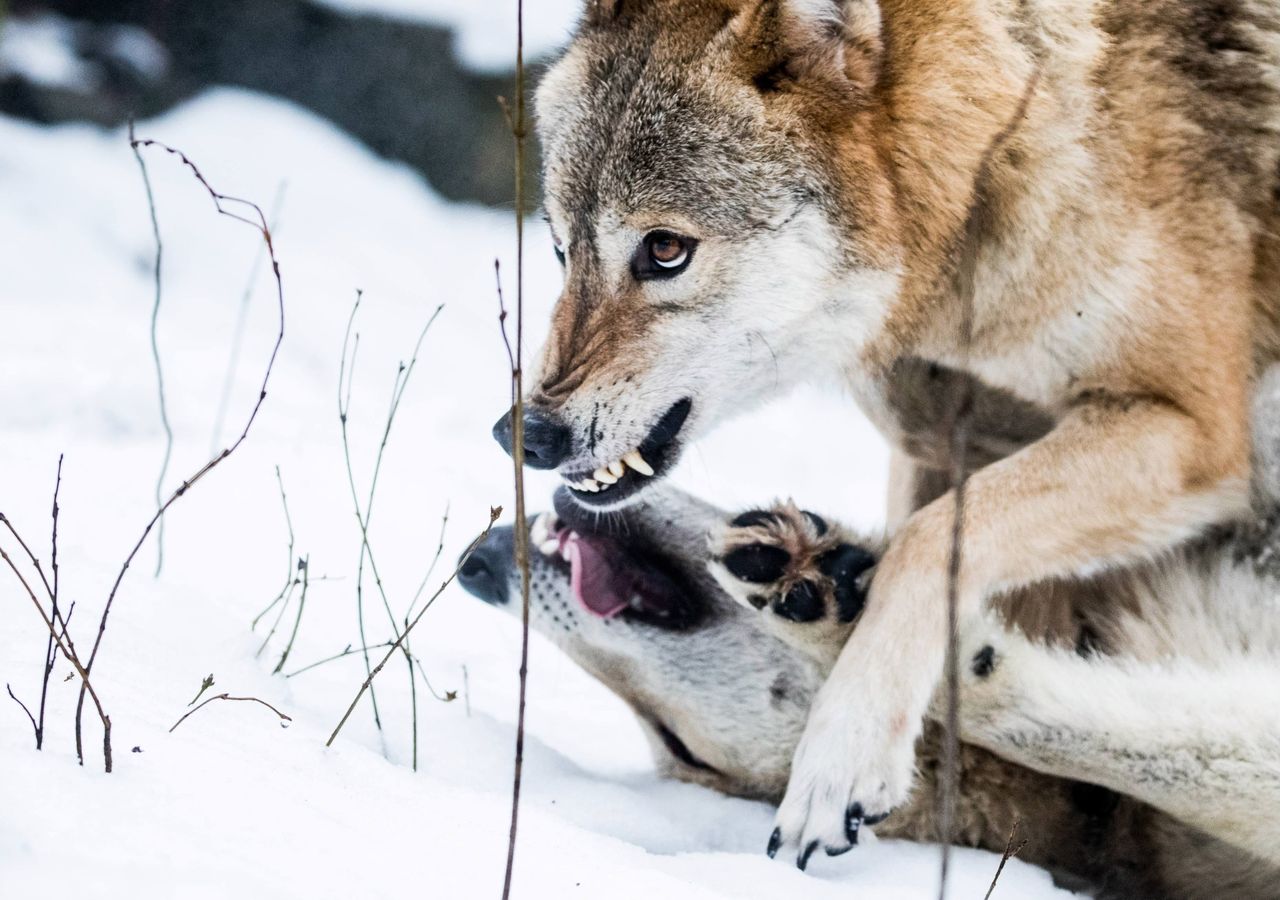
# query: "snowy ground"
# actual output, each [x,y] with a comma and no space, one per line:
[231,804]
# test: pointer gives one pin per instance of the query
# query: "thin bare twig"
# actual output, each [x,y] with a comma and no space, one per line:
[963,265]
[444,525]
[155,344]
[51,652]
[519,126]
[364,513]
[284,720]
[304,566]
[242,318]
[34,726]
[259,223]
[204,686]
[396,644]
[67,651]
[347,651]
[289,577]
[1010,852]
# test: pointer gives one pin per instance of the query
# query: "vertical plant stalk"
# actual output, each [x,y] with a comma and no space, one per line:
[364,513]
[304,566]
[519,126]
[155,345]
[258,221]
[494,513]
[962,266]
[242,318]
[51,651]
[1010,852]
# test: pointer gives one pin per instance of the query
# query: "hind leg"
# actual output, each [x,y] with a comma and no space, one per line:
[1202,745]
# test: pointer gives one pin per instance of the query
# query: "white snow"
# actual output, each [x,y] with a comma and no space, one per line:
[41,49]
[231,804]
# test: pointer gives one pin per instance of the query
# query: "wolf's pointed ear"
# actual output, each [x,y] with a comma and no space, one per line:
[843,38]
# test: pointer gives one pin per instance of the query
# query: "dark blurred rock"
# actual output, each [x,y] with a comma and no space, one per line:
[394,85]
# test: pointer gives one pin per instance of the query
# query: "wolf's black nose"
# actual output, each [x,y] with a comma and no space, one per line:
[487,571]
[546,439]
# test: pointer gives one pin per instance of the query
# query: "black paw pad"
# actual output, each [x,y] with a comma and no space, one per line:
[803,603]
[843,566]
[984,662]
[754,517]
[757,563]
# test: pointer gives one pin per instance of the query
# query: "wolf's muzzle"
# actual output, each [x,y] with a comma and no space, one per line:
[487,572]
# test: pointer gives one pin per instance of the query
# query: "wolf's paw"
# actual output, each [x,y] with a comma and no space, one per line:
[847,773]
[793,564]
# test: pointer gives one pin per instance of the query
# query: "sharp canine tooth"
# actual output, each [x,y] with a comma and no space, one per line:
[589,485]
[538,531]
[617,467]
[636,461]
[549,547]
[606,476]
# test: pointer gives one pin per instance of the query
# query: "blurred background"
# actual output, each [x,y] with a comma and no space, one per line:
[414,80]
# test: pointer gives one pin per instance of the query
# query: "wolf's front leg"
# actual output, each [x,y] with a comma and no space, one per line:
[1114,481]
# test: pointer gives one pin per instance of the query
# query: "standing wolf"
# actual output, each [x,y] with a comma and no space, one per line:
[750,193]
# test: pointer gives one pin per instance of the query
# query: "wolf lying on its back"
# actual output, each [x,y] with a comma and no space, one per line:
[1148,768]
[749,193]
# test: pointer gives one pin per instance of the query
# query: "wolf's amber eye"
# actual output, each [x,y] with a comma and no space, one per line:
[668,251]
[662,254]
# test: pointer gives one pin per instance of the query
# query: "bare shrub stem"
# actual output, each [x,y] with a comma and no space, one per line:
[519,132]
[221,203]
[155,344]
[396,644]
[284,720]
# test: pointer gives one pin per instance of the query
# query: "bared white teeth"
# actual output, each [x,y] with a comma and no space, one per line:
[606,476]
[636,461]
[542,533]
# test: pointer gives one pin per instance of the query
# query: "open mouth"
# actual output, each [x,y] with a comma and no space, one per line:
[625,476]
[608,579]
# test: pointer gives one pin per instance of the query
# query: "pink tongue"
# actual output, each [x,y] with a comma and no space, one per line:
[590,577]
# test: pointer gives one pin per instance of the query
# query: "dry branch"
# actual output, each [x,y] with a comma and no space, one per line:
[396,644]
[364,513]
[518,128]
[284,720]
[1010,852]
[961,265]
[66,649]
[155,344]
[259,223]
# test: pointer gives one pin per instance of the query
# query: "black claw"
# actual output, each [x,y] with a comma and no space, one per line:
[753,517]
[757,563]
[876,819]
[819,523]
[775,841]
[803,862]
[803,603]
[984,662]
[839,851]
[853,823]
